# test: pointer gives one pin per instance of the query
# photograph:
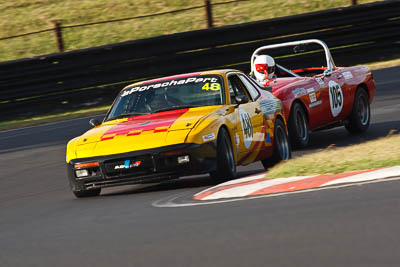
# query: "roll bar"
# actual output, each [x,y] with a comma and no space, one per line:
[329,61]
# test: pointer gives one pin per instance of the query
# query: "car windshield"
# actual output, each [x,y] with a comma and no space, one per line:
[170,94]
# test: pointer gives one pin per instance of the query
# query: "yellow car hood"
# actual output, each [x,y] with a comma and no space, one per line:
[140,132]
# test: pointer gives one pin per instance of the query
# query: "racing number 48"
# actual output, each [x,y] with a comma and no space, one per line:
[213,87]
[247,127]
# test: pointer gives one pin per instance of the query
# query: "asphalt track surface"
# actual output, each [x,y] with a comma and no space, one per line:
[42,224]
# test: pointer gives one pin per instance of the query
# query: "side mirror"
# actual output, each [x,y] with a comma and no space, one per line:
[94,122]
[241,99]
[327,73]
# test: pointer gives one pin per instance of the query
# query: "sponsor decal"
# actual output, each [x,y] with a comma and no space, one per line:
[247,128]
[347,75]
[237,140]
[269,106]
[313,97]
[268,138]
[269,132]
[319,102]
[335,98]
[320,81]
[299,92]
[310,90]
[208,137]
[128,165]
[141,88]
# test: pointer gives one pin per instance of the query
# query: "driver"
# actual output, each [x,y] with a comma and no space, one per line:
[158,100]
[264,69]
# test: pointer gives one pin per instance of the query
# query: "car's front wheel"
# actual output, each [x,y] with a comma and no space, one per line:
[281,146]
[87,193]
[298,126]
[359,118]
[226,165]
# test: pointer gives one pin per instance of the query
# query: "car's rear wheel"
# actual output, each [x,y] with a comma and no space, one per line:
[226,165]
[298,126]
[281,146]
[360,116]
[87,193]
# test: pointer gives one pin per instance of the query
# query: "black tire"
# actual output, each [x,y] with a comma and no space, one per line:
[281,146]
[87,193]
[298,126]
[226,165]
[360,116]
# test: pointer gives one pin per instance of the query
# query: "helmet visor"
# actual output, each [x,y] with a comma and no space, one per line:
[261,67]
[264,67]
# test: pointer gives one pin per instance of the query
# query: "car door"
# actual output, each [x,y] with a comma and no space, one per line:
[249,119]
[333,96]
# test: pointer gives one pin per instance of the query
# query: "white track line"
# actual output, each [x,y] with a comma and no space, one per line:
[368,176]
[243,187]
[245,190]
[168,202]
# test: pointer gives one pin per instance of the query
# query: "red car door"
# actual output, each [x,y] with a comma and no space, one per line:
[335,97]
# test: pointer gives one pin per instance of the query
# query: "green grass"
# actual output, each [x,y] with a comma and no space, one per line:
[383,152]
[22,16]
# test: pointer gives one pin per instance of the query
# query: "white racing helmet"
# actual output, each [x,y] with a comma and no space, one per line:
[264,64]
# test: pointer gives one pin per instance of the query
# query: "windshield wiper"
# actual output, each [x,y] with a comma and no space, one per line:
[124,115]
[175,107]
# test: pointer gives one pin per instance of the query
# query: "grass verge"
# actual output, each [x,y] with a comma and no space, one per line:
[384,64]
[383,152]
[24,16]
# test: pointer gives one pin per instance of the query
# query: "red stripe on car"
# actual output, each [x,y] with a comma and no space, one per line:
[149,122]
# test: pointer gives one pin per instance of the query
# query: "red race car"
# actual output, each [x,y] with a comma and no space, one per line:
[316,98]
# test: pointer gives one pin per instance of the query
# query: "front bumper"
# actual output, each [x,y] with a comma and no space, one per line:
[155,165]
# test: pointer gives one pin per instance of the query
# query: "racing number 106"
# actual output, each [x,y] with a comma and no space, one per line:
[336,96]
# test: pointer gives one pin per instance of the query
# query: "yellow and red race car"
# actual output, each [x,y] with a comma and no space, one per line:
[206,122]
